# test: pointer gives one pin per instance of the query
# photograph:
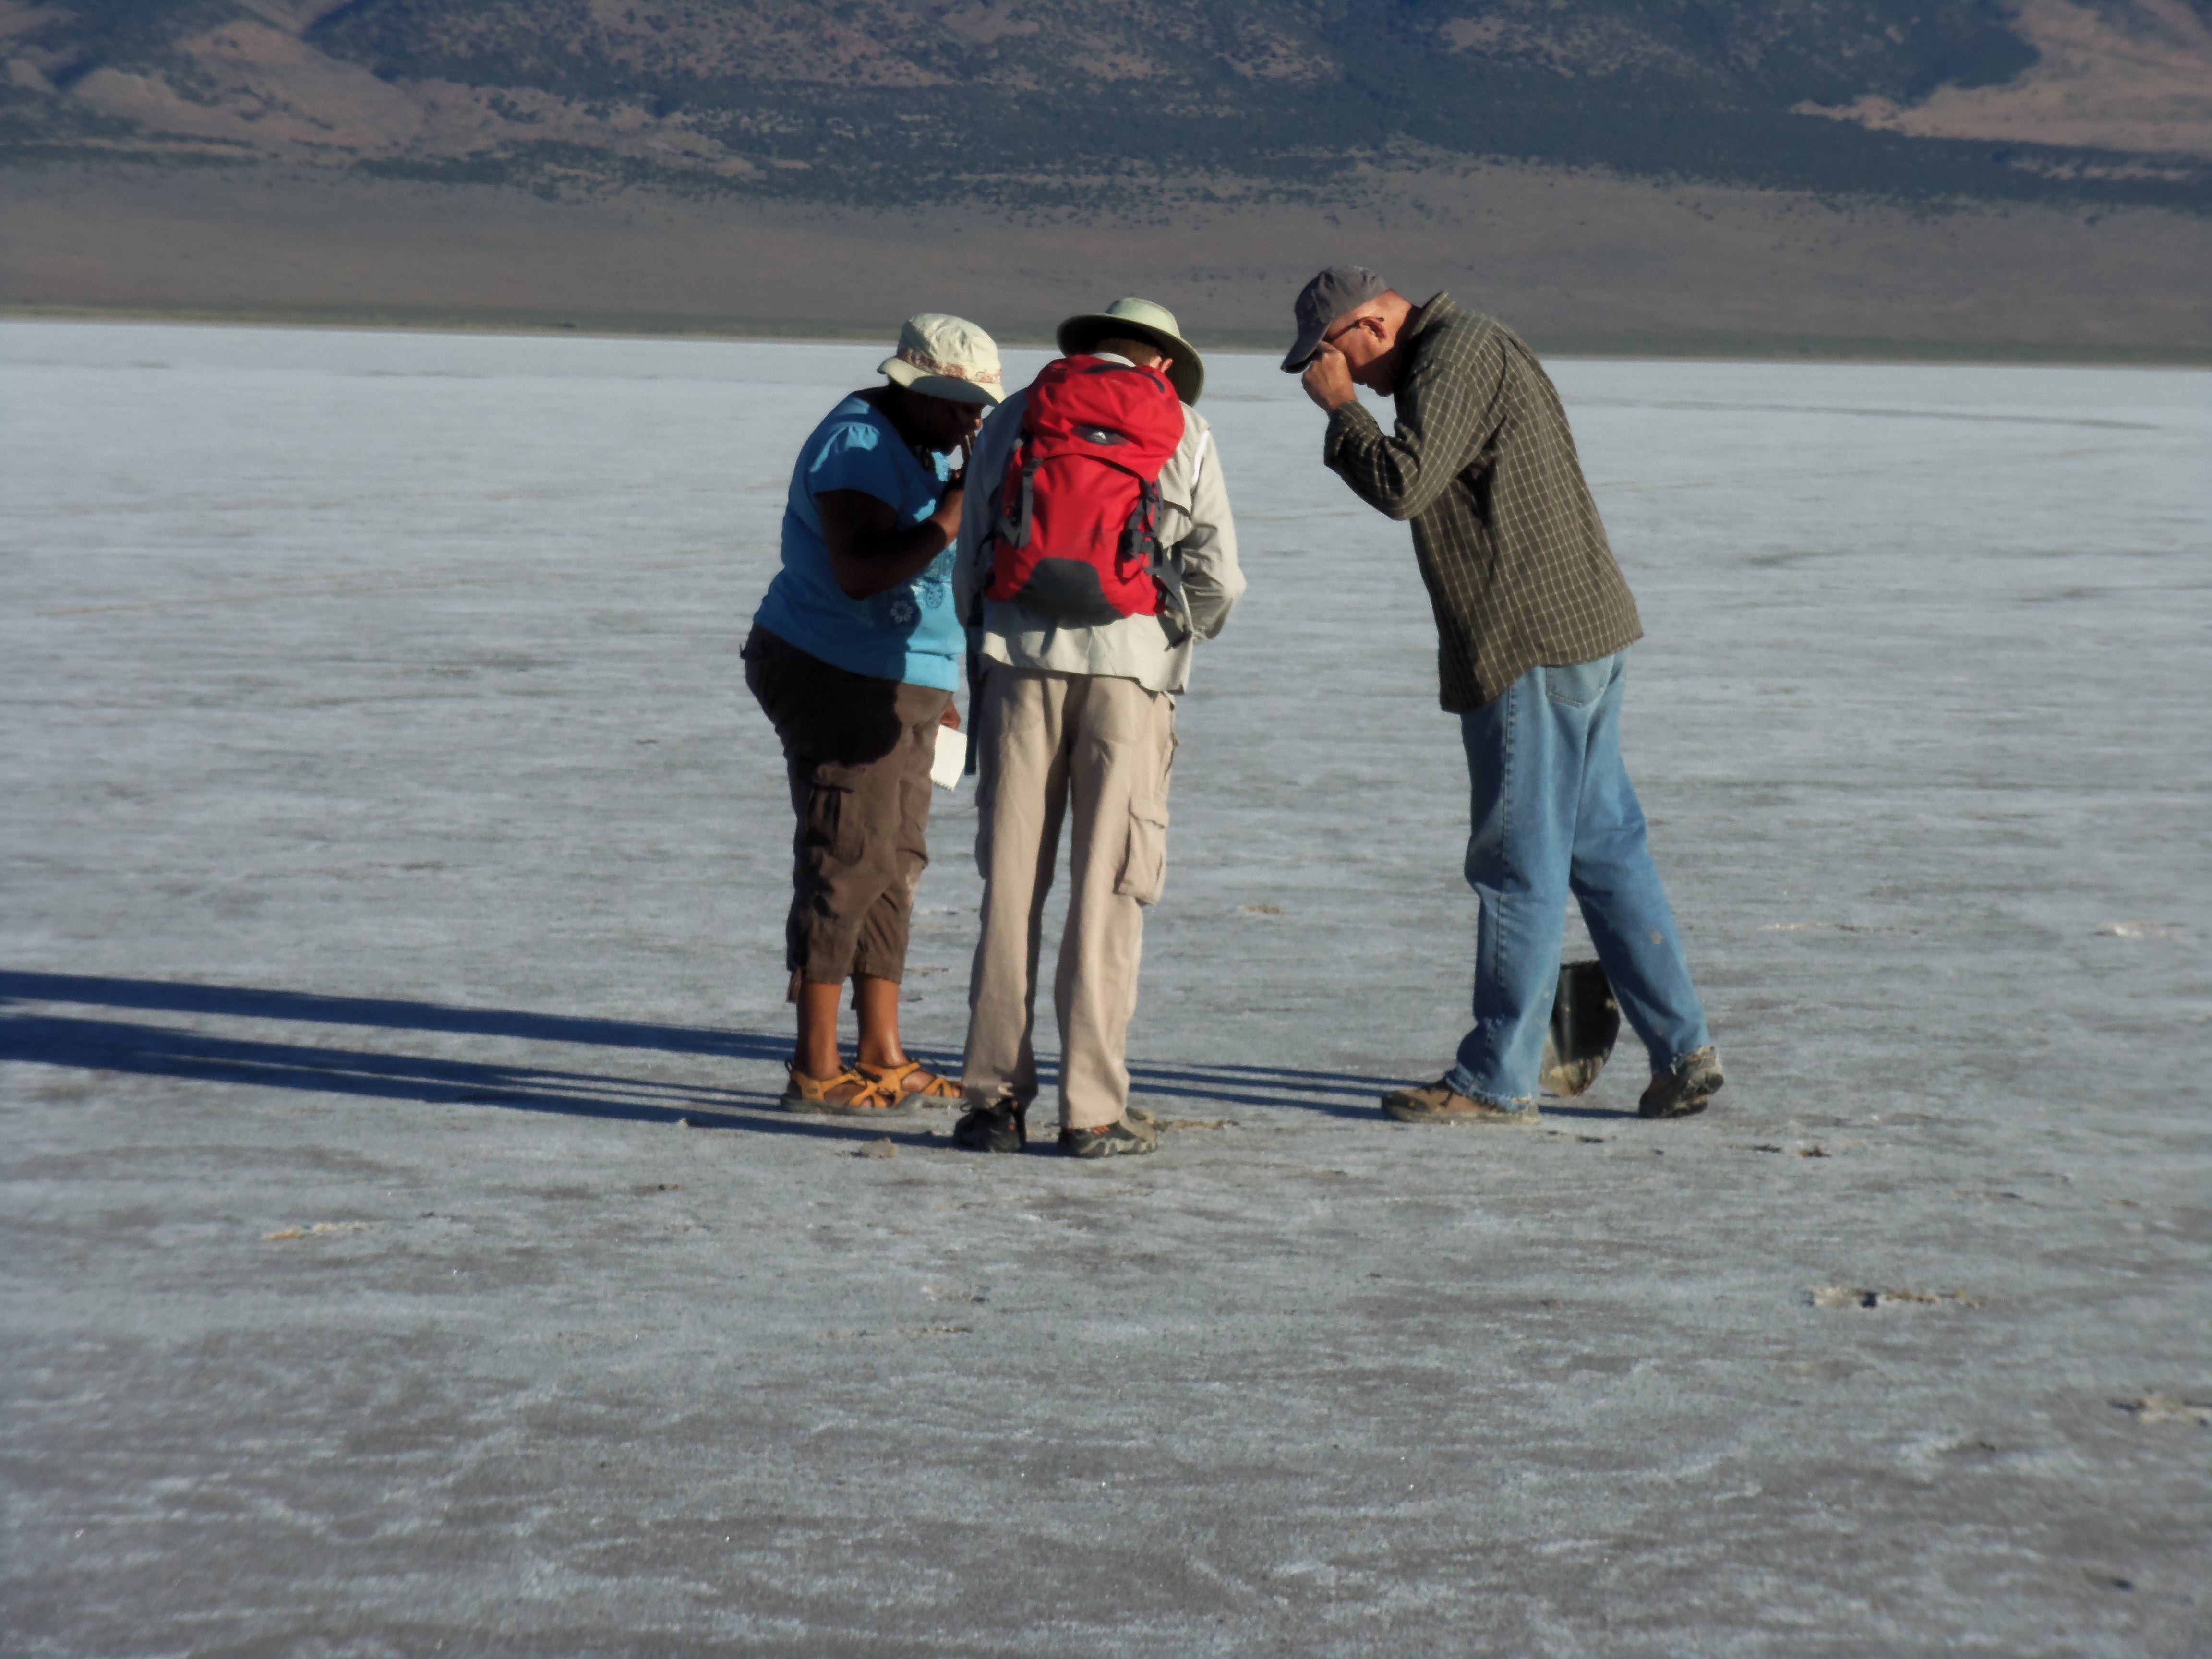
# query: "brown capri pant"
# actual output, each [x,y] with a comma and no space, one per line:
[858,749]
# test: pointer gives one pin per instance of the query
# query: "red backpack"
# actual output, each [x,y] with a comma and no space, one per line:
[1076,539]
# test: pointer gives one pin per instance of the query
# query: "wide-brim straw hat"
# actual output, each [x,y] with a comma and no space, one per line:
[1139,319]
[947,357]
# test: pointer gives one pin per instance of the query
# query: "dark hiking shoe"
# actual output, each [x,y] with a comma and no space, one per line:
[1435,1103]
[1110,1141]
[1683,1091]
[1001,1129]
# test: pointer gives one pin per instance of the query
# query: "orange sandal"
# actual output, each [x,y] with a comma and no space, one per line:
[868,1098]
[909,1082]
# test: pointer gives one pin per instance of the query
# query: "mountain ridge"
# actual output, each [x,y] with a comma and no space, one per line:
[1034,103]
[1979,176]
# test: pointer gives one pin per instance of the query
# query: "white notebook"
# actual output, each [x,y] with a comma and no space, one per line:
[952,757]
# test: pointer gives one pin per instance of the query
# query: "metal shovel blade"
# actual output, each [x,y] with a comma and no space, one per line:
[1585,1022]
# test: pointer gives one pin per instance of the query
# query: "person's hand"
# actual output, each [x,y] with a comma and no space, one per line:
[950,717]
[1327,379]
[947,517]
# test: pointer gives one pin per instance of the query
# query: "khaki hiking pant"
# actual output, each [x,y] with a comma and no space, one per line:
[1046,742]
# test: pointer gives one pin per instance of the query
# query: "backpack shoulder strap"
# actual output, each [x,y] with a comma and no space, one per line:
[1018,500]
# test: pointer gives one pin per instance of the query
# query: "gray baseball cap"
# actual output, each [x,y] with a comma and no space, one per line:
[1325,299]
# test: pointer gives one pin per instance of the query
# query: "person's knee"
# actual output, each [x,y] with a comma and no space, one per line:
[1611,855]
[1490,861]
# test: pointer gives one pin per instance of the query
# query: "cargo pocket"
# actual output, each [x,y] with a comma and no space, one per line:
[987,802]
[1144,863]
[834,824]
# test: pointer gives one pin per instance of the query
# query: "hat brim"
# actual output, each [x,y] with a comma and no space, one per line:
[1295,361]
[1186,370]
[921,381]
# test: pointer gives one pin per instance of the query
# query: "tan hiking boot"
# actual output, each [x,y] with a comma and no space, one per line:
[1132,1134]
[1435,1103]
[1683,1090]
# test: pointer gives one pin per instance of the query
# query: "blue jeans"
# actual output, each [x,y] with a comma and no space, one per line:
[1554,812]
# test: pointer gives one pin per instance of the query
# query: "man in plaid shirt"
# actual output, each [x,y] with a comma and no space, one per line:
[1534,622]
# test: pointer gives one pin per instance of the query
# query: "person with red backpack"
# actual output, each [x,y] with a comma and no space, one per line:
[1095,547]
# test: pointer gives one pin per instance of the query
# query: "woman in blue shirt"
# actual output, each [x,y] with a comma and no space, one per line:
[852,655]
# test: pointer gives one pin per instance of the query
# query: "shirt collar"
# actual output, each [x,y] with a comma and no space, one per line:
[1434,309]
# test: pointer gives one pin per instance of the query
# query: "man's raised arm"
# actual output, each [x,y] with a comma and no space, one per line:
[1446,413]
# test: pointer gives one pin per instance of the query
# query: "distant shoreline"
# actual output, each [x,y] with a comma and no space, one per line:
[1579,265]
[1688,348]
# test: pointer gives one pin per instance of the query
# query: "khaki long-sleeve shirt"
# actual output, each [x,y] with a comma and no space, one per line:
[1508,543]
[1194,524]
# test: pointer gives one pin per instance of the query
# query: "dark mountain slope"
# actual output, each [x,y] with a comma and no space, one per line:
[1034,102]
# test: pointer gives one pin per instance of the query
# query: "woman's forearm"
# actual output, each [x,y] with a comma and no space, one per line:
[865,570]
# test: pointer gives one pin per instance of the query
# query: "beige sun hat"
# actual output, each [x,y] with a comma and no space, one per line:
[947,357]
[1143,321]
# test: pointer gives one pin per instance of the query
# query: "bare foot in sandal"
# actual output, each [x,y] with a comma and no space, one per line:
[848,1093]
[910,1080]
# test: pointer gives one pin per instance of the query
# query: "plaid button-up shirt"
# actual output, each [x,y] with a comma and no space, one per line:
[1508,540]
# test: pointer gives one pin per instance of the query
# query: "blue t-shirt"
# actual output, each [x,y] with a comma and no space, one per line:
[905,632]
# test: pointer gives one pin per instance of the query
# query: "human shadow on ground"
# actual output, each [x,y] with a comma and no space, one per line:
[167,1051]
[127,1046]
[164,1051]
